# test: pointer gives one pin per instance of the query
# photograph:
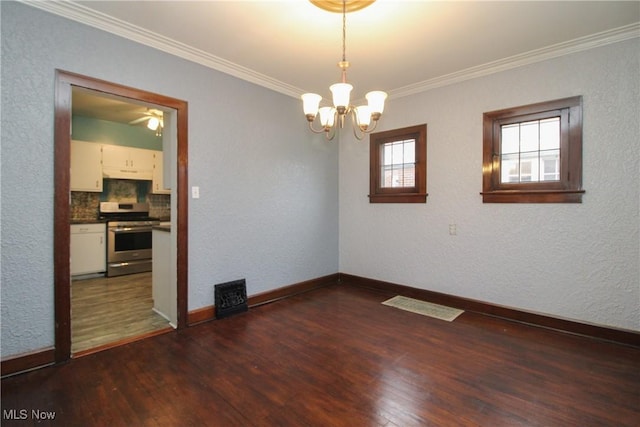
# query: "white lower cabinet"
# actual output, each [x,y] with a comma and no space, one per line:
[88,248]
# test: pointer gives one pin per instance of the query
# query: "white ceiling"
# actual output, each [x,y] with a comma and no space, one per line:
[399,46]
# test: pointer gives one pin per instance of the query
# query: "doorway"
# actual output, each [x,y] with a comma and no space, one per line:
[116,298]
[66,83]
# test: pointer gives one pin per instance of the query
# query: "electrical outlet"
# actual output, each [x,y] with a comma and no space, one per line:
[195,192]
[453,229]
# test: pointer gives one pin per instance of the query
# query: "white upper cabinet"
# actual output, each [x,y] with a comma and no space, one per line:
[127,162]
[158,186]
[86,166]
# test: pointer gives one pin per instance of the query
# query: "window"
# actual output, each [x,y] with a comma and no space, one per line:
[533,153]
[398,165]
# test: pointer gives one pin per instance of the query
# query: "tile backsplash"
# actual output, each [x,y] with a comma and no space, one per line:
[85,205]
[159,206]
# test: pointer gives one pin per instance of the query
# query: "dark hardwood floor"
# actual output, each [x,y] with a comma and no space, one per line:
[337,357]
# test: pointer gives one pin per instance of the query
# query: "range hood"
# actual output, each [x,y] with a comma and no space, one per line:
[118,173]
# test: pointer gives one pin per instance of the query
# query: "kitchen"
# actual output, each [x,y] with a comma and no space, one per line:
[120,211]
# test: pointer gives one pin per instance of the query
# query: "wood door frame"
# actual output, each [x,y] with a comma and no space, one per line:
[65,81]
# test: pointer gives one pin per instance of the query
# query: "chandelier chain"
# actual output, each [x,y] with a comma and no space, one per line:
[344,30]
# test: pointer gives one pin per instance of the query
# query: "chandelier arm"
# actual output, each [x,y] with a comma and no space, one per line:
[330,134]
[315,130]
[372,128]
[357,131]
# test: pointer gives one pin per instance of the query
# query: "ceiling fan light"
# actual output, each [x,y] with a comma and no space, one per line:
[153,123]
[376,100]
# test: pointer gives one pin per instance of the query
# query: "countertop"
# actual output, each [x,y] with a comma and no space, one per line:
[88,221]
[166,228]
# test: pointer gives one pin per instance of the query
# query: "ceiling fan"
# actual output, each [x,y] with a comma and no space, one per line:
[154,119]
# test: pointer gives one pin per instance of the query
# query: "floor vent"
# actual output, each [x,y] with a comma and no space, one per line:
[231,298]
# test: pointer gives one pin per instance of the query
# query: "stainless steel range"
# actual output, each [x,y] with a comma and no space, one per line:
[129,247]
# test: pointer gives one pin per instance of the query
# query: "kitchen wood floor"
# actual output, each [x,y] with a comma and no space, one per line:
[336,356]
[107,310]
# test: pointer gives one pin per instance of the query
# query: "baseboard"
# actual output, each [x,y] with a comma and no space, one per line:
[200,315]
[287,291]
[621,336]
[205,314]
[27,362]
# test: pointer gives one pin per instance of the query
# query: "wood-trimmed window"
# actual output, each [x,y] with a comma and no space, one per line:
[398,165]
[533,153]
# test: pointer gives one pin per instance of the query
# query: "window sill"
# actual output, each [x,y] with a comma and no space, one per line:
[532,196]
[398,198]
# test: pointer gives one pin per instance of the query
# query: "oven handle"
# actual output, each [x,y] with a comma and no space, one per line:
[123,230]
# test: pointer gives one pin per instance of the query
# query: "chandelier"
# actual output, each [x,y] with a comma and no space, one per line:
[332,117]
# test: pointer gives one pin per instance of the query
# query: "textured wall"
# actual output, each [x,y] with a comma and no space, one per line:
[268,192]
[577,261]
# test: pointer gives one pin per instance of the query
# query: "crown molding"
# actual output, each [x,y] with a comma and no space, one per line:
[87,16]
[538,55]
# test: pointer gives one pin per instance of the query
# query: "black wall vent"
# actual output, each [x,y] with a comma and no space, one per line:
[231,298]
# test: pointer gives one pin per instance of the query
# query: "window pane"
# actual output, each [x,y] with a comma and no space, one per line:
[510,167]
[386,154]
[510,139]
[523,157]
[529,136]
[410,175]
[385,177]
[410,151]
[550,165]
[529,167]
[397,153]
[397,178]
[398,164]
[550,134]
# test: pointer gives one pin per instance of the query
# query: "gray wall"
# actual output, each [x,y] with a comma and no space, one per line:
[577,261]
[268,189]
